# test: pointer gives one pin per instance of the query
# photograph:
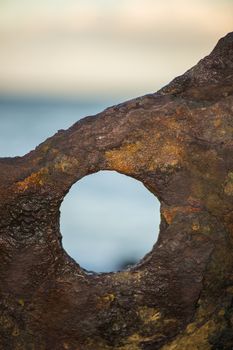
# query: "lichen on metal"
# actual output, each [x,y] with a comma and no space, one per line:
[179,143]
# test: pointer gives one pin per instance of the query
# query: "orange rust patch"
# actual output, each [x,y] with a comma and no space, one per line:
[217,122]
[105,301]
[170,213]
[195,226]
[171,154]
[35,179]
[123,159]
[146,154]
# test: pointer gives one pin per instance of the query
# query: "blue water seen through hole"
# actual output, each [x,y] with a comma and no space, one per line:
[115,221]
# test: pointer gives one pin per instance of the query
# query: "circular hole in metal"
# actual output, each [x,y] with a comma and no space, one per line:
[109,221]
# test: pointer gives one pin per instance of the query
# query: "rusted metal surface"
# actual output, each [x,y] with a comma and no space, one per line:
[178,143]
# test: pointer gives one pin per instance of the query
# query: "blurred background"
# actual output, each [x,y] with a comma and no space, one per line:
[65,59]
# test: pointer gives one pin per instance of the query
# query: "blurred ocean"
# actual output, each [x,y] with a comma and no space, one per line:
[107,220]
[29,121]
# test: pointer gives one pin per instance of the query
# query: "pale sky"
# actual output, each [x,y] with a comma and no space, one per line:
[104,47]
